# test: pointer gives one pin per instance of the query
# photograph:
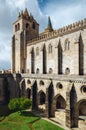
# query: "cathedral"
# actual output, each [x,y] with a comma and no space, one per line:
[52,65]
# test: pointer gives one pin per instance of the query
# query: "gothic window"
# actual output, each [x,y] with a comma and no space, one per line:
[67,71]
[50,70]
[37,71]
[28,81]
[37,51]
[27,25]
[18,26]
[67,44]
[50,48]
[33,25]
[41,83]
[15,28]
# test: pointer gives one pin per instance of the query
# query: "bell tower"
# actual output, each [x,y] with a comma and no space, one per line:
[25,28]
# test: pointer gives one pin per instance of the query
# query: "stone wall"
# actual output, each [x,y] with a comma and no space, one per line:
[9,87]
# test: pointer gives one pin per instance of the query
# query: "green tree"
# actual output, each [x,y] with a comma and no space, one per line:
[19,104]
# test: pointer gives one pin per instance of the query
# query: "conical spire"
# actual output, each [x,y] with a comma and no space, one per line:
[49,25]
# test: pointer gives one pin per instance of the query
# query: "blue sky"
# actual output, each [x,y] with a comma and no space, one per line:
[62,13]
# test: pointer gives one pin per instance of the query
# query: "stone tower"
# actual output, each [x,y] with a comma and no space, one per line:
[25,28]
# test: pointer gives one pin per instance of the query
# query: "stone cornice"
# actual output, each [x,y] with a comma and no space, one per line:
[67,78]
[60,32]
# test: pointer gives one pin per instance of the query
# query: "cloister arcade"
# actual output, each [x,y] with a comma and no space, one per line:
[59,99]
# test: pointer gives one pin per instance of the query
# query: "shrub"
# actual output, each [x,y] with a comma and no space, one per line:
[19,104]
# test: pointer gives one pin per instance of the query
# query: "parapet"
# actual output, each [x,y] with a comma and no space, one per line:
[80,25]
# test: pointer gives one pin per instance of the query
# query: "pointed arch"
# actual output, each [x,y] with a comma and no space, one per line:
[82,107]
[15,28]
[37,71]
[18,26]
[28,81]
[50,70]
[41,97]
[80,112]
[67,44]
[41,83]
[60,102]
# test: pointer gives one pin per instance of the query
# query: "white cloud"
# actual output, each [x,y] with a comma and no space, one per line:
[61,14]
[8,14]
[66,13]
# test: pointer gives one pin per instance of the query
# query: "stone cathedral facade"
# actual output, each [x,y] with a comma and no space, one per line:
[52,65]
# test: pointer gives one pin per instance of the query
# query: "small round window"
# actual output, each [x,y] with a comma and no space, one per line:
[59,85]
[83,89]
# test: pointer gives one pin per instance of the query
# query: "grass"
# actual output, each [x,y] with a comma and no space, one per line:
[26,121]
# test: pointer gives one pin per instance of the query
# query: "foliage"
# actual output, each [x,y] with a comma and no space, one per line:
[19,104]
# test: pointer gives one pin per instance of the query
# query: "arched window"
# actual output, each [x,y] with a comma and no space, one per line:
[37,51]
[42,97]
[18,26]
[41,83]
[67,44]
[50,70]
[60,102]
[15,28]
[67,71]
[27,25]
[50,48]
[33,25]
[37,71]
[28,81]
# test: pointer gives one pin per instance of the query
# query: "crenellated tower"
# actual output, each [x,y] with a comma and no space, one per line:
[25,28]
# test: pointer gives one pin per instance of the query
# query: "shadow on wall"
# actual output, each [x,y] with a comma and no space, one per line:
[9,88]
